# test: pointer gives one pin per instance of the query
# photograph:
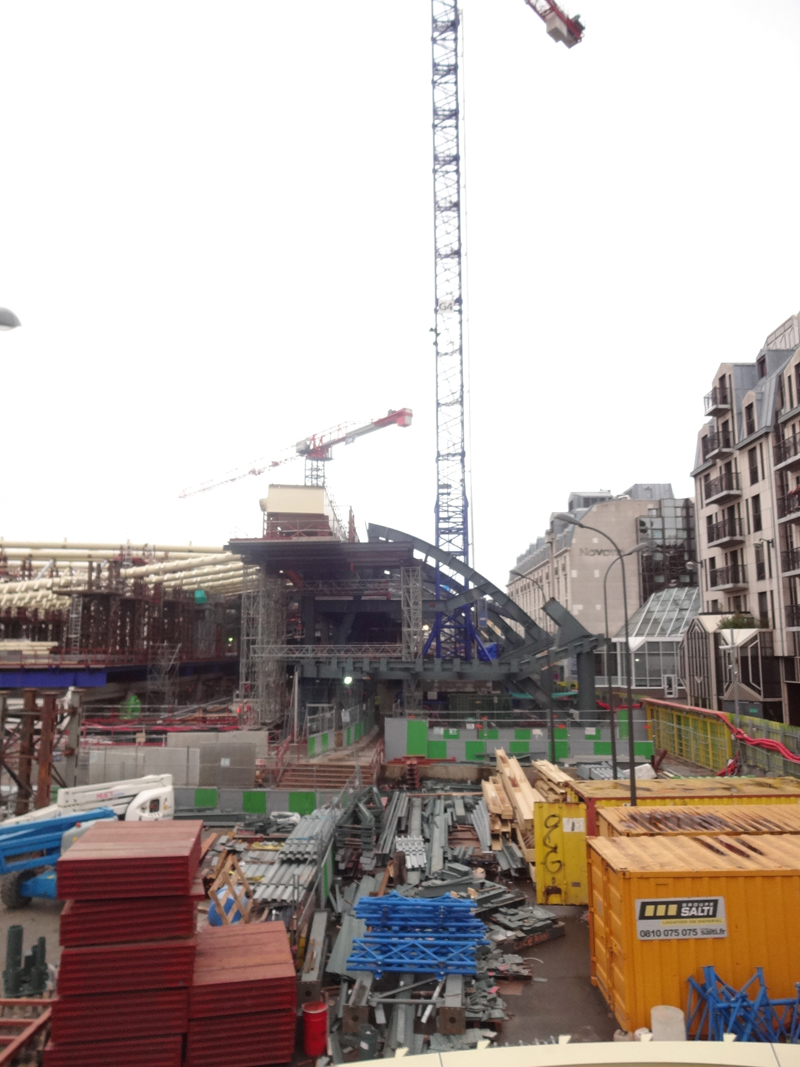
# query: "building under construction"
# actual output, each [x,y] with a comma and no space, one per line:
[144,617]
[331,621]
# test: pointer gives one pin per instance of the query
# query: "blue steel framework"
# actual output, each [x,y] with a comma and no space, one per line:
[450,636]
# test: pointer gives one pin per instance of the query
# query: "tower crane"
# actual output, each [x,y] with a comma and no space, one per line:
[316,450]
[453,636]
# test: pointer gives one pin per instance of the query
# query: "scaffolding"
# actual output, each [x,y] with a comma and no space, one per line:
[411,636]
[262,675]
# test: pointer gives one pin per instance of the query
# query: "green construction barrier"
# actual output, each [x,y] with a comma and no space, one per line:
[562,749]
[437,750]
[417,737]
[254,802]
[302,803]
[602,748]
[205,798]
[491,734]
[519,746]
[347,736]
[522,735]
[643,748]
[592,733]
[450,732]
[473,749]
[312,747]
[324,742]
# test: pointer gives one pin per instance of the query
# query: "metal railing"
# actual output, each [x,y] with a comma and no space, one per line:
[725,530]
[716,441]
[290,652]
[788,448]
[789,504]
[717,398]
[727,482]
[734,574]
[790,560]
[705,738]
[793,614]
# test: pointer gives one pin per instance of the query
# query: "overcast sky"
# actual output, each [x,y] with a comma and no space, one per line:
[217,232]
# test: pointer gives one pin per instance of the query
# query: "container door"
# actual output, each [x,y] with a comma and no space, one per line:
[560,834]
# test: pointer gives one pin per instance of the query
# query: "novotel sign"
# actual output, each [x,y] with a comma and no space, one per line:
[597,552]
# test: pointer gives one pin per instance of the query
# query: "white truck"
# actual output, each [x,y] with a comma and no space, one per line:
[135,800]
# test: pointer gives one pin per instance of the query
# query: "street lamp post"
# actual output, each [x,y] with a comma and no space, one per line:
[8,320]
[551,726]
[636,548]
[565,517]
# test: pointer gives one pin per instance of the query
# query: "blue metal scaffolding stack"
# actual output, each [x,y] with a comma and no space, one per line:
[417,936]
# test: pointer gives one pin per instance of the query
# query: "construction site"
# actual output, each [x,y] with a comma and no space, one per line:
[316,798]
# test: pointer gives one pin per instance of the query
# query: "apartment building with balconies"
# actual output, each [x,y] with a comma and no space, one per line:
[747,477]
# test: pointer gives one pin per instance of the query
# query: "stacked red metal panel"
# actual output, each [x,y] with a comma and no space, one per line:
[243,997]
[127,963]
[142,1052]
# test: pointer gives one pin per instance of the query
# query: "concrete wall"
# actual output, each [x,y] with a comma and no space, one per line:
[243,802]
[198,738]
[113,763]
[415,737]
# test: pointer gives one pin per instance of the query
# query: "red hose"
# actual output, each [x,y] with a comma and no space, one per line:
[755,742]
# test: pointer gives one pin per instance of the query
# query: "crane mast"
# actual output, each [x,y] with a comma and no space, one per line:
[452,521]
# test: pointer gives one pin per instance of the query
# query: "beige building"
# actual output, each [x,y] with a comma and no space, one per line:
[747,477]
[570,563]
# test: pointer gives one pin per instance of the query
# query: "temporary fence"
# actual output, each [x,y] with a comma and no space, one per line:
[712,740]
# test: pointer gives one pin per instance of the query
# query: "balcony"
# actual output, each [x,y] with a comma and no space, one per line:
[786,453]
[732,577]
[725,487]
[790,560]
[717,442]
[793,616]
[725,532]
[717,402]
[789,506]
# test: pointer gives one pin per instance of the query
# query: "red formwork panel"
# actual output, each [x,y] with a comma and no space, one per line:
[117,1015]
[142,1052]
[241,969]
[107,922]
[131,859]
[252,1040]
[144,966]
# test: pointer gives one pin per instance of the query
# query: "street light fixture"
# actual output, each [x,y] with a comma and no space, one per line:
[636,548]
[563,516]
[8,320]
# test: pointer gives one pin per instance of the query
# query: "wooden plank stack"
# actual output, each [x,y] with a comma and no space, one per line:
[243,1000]
[129,945]
[522,797]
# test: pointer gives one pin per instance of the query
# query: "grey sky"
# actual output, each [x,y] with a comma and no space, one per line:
[217,234]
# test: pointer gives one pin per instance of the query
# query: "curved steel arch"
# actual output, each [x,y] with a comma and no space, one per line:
[481,586]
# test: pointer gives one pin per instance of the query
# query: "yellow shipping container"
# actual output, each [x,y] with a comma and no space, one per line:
[665,907]
[709,819]
[561,828]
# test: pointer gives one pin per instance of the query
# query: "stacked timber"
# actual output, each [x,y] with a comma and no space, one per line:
[551,781]
[522,797]
[501,814]
[243,1000]
[128,945]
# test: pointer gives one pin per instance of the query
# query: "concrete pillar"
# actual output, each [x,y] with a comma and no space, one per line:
[587,697]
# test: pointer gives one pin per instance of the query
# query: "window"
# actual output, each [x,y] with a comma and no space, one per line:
[761,455]
[749,420]
[763,610]
[791,391]
[706,484]
[715,606]
[797,380]
[761,570]
[761,364]
[755,504]
[752,456]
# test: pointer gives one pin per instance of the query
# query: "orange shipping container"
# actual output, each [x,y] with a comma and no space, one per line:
[662,908]
[708,819]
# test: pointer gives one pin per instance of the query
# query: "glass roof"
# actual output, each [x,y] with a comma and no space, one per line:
[665,615]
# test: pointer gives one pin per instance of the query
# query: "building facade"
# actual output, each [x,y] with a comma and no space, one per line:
[747,478]
[570,564]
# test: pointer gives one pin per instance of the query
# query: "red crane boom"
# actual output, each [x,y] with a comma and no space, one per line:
[315,449]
